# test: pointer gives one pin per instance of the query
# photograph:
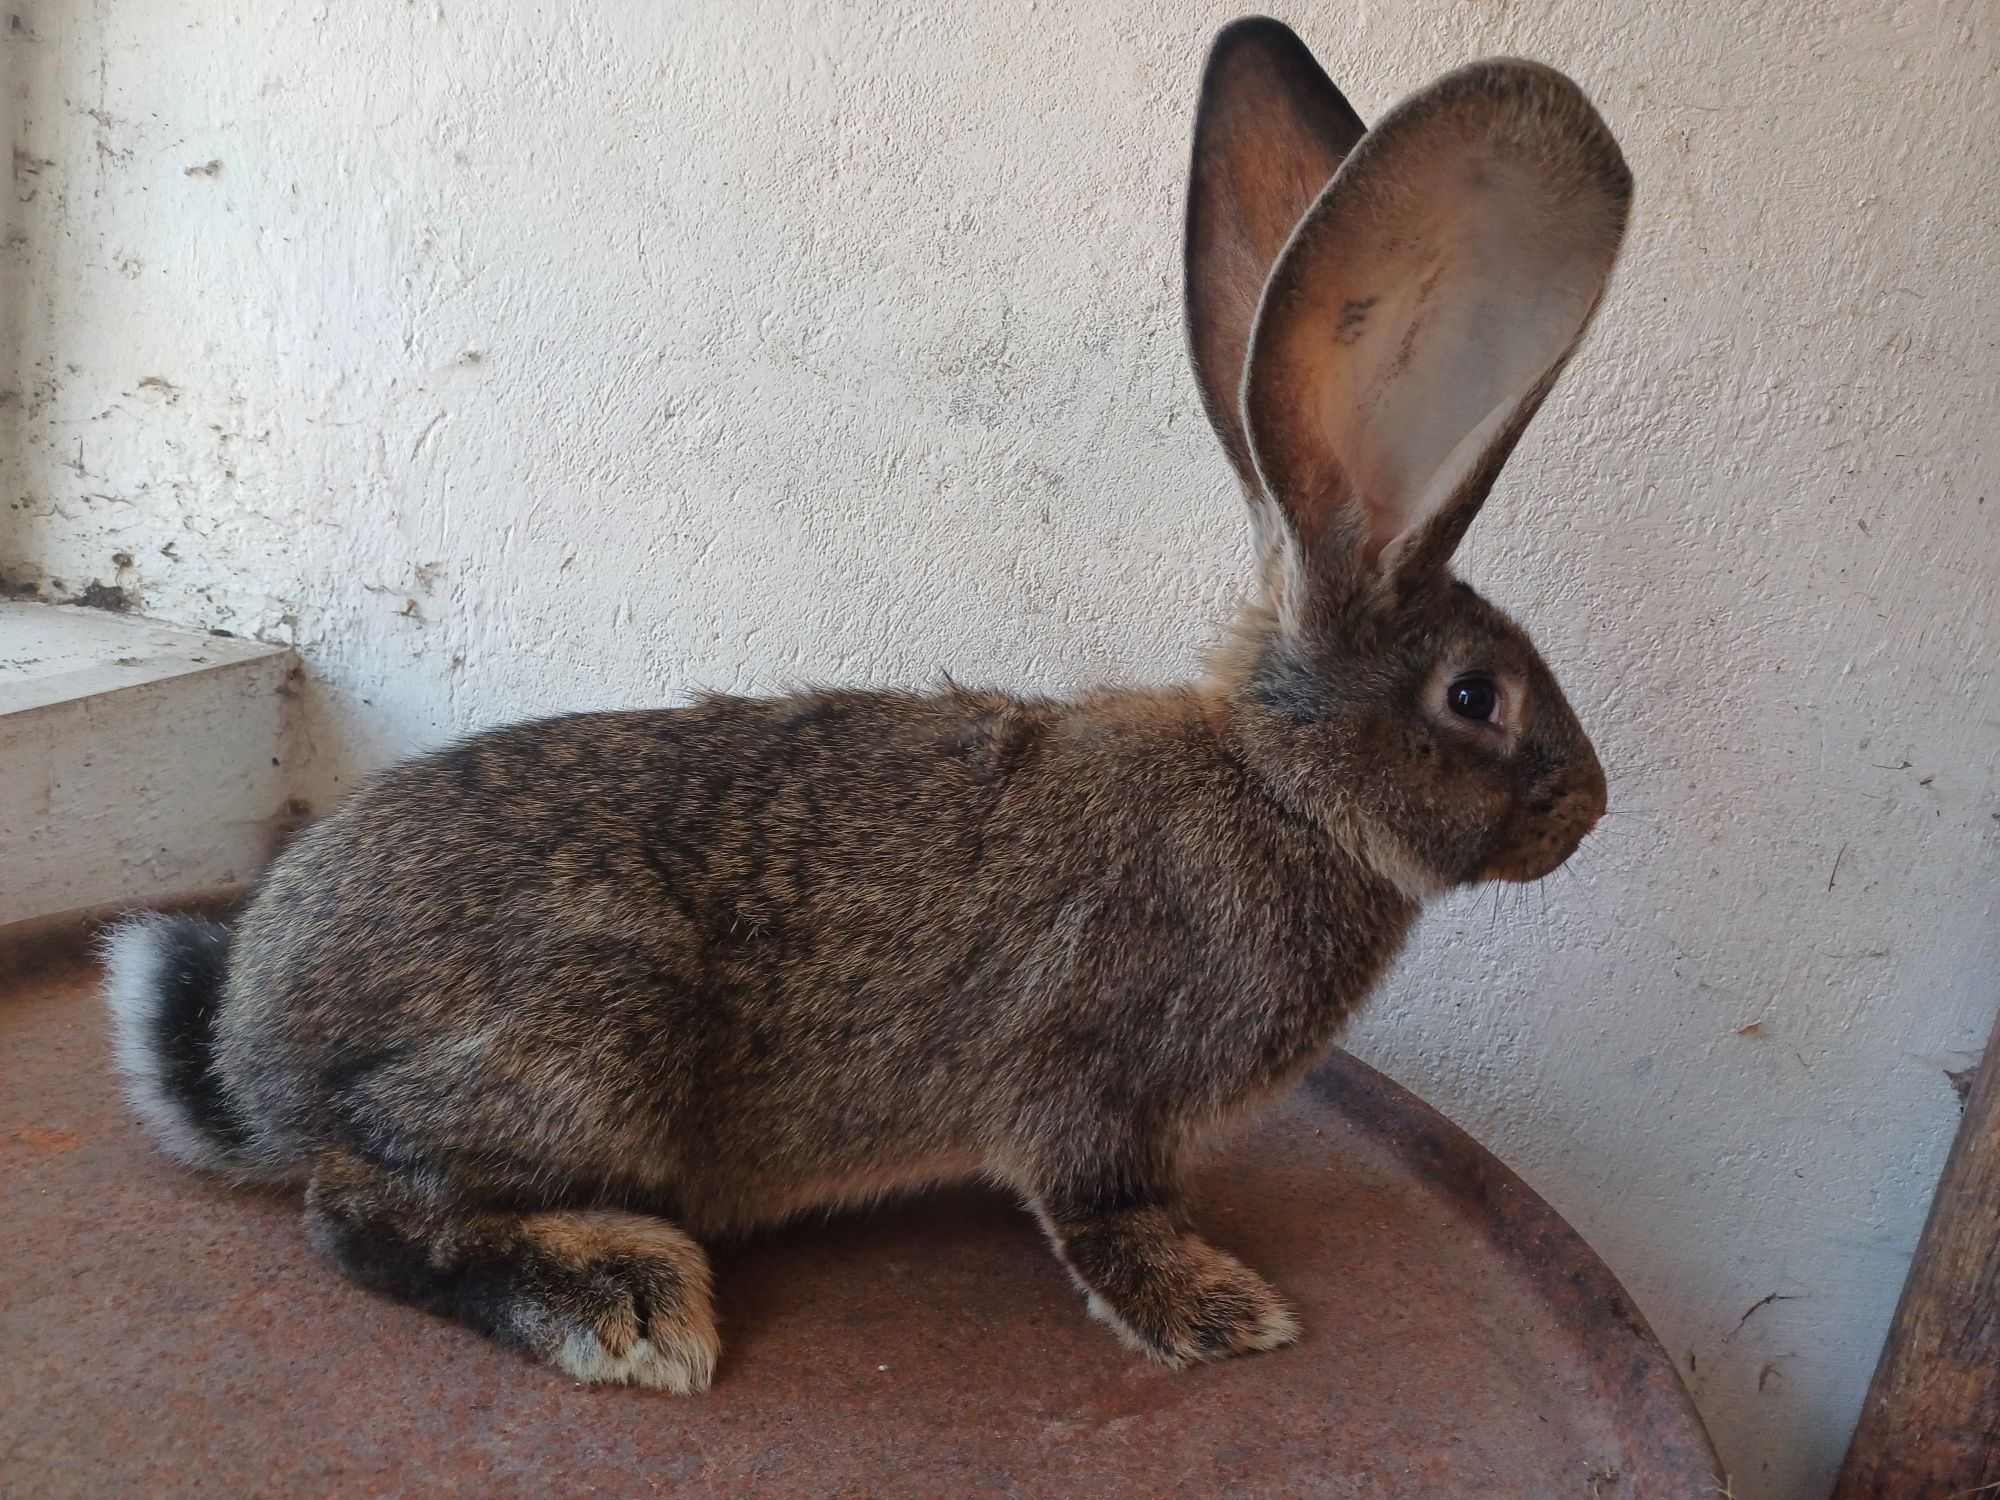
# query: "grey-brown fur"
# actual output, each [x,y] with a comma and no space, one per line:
[521,1007]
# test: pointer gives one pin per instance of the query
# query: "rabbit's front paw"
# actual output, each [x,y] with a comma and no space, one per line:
[1208,1307]
[1170,1294]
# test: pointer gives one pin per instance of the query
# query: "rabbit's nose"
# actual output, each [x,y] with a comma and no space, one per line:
[1578,803]
[1581,803]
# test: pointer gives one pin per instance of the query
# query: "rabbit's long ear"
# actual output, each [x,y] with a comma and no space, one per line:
[1422,311]
[1270,131]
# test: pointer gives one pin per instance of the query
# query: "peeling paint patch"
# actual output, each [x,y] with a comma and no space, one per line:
[20,581]
[111,596]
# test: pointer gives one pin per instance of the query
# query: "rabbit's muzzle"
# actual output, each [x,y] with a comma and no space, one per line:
[1549,824]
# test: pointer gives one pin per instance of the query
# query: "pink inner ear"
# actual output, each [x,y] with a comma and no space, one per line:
[1490,302]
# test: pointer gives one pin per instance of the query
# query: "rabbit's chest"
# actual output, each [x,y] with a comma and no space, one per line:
[1268,986]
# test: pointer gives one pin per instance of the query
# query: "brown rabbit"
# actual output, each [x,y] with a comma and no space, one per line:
[532,1015]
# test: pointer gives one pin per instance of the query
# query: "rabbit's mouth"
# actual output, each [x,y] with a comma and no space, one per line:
[1543,857]
[1538,845]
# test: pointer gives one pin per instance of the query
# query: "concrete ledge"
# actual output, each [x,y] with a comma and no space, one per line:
[32,948]
[137,762]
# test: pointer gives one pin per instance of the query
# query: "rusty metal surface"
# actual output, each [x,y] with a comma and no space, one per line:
[161,1335]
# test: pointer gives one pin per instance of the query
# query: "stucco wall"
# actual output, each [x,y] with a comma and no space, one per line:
[507,359]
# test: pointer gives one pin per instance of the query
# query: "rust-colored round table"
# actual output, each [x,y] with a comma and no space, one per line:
[164,1336]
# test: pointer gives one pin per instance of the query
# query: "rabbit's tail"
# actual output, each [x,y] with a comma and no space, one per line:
[163,979]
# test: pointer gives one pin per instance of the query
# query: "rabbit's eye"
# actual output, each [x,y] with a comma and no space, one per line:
[1474,697]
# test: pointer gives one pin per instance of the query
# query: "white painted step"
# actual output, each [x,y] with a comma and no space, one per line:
[138,763]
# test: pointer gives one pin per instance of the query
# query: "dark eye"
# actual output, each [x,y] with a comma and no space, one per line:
[1473,697]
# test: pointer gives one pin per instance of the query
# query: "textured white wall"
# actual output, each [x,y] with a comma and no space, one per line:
[506,359]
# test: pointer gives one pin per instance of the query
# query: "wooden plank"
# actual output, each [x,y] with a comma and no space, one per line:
[1930,1428]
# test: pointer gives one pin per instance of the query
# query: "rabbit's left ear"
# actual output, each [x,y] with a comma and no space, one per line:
[1423,310]
[1270,131]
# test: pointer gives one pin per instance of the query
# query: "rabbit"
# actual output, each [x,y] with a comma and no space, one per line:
[532,1017]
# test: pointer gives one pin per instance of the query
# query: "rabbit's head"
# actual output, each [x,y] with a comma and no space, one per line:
[1374,318]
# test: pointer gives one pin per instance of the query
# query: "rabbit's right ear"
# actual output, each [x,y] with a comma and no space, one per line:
[1269,133]
[1420,313]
